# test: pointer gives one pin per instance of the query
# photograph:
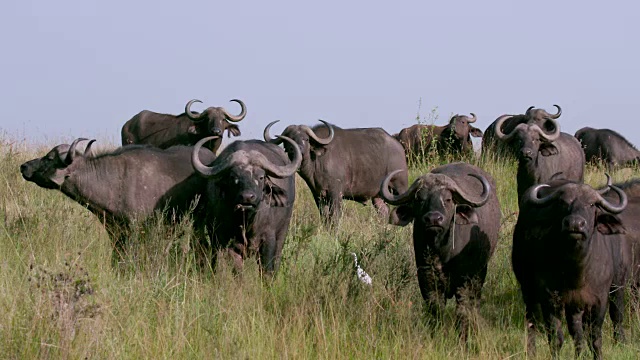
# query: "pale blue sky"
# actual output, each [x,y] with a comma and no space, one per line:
[83,68]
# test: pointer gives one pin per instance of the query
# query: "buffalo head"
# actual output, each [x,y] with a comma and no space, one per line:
[460,130]
[310,144]
[242,177]
[576,210]
[434,202]
[529,139]
[214,120]
[49,171]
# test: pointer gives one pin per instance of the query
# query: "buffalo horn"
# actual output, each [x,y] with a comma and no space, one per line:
[614,209]
[280,171]
[191,115]
[267,136]
[464,196]
[533,195]
[195,158]
[401,198]
[472,119]
[71,153]
[87,150]
[548,137]
[241,156]
[315,137]
[529,110]
[498,129]
[557,115]
[607,187]
[243,112]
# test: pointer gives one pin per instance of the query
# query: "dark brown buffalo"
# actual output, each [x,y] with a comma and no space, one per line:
[456,219]
[607,146]
[540,117]
[453,137]
[345,164]
[541,155]
[164,130]
[629,217]
[250,193]
[569,255]
[124,185]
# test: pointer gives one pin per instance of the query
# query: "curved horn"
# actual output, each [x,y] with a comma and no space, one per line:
[533,195]
[198,166]
[498,129]
[400,199]
[315,137]
[557,115]
[464,196]
[606,187]
[190,115]
[71,153]
[549,137]
[473,119]
[529,110]
[239,117]
[87,150]
[281,171]
[267,136]
[614,209]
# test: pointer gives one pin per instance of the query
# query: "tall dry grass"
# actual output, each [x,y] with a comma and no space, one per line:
[60,297]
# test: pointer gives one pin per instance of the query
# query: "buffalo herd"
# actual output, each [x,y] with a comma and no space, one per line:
[241,201]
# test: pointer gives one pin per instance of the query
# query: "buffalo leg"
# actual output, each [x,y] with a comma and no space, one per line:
[268,254]
[531,316]
[616,311]
[595,318]
[574,317]
[324,207]
[553,327]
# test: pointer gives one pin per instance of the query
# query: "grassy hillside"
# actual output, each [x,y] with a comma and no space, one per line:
[60,297]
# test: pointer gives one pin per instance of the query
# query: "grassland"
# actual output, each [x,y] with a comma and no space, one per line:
[60,297]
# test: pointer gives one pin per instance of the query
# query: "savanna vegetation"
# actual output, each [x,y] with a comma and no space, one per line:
[60,297]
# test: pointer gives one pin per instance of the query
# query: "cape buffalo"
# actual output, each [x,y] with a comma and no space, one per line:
[607,146]
[456,219]
[124,185]
[543,155]
[345,163]
[455,136]
[535,116]
[629,217]
[250,192]
[568,257]
[164,130]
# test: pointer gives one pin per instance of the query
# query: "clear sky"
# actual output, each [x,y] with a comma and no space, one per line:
[83,67]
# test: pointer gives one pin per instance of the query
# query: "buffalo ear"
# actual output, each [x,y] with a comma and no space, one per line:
[475,132]
[466,215]
[275,195]
[608,224]
[401,215]
[233,129]
[547,149]
[192,130]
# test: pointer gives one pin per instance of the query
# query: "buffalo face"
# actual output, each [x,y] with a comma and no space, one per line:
[459,132]
[529,140]
[241,178]
[434,202]
[579,211]
[50,170]
[214,120]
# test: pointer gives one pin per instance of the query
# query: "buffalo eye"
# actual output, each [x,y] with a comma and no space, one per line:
[261,177]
